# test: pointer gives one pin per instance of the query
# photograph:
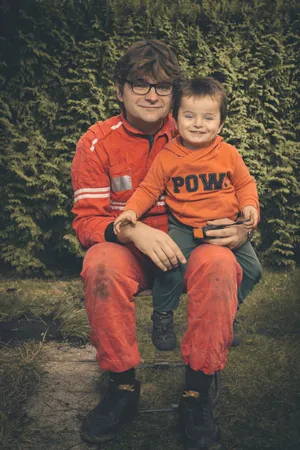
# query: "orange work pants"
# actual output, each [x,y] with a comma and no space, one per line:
[113,274]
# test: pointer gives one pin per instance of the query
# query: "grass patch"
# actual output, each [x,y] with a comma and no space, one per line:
[260,402]
[20,370]
[39,299]
[260,399]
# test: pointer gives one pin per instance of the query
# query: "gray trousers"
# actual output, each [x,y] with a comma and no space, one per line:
[168,286]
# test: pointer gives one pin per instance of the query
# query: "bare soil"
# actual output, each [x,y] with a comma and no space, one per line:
[72,384]
[27,327]
[68,389]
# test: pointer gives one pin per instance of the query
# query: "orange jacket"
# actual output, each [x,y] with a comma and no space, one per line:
[111,160]
[206,184]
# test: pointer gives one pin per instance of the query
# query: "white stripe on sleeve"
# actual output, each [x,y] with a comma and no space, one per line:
[79,197]
[92,190]
[121,208]
[94,142]
[115,127]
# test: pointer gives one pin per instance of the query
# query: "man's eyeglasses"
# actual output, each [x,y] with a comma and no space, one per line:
[143,88]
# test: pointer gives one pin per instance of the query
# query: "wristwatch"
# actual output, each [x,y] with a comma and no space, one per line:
[250,234]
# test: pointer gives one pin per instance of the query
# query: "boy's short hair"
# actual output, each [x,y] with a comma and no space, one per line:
[201,87]
[152,59]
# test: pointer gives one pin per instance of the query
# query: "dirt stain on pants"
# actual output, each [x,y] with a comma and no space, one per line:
[101,284]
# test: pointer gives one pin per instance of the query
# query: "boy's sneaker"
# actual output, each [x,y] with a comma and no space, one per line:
[197,422]
[118,405]
[163,335]
[236,338]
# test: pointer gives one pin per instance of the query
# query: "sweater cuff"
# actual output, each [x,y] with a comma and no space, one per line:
[109,233]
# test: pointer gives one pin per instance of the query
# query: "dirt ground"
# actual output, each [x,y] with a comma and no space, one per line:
[72,384]
[68,389]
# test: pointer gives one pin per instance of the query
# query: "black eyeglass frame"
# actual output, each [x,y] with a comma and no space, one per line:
[150,86]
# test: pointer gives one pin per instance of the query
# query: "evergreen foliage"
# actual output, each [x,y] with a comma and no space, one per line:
[56,67]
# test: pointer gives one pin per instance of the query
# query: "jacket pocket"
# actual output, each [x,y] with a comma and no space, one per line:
[120,178]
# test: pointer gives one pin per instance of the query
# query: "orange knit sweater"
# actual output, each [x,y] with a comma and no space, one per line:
[200,185]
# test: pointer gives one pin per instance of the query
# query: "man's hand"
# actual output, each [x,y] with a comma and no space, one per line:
[126,217]
[231,237]
[156,244]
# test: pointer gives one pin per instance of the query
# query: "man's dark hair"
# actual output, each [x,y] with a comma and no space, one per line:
[153,59]
[201,87]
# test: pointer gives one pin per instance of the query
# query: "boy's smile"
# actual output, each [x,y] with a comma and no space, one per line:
[199,121]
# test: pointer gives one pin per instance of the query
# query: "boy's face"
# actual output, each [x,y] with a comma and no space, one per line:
[198,121]
[144,112]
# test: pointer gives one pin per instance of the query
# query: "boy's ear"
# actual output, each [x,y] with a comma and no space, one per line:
[221,126]
[119,91]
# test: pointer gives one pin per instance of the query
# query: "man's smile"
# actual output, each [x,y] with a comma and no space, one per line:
[150,107]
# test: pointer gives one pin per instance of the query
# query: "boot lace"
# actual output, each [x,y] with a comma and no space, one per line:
[199,406]
[163,323]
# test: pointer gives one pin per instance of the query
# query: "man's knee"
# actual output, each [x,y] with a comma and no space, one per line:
[105,260]
[108,272]
[211,257]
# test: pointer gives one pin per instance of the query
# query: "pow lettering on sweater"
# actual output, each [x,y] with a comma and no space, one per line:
[200,185]
[211,182]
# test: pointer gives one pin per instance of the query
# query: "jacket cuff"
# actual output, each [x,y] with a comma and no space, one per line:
[109,234]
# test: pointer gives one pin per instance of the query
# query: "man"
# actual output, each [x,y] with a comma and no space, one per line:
[111,160]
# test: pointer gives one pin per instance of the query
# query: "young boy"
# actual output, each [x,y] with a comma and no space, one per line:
[203,179]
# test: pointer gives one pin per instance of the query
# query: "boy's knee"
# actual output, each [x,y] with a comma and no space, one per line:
[256,272]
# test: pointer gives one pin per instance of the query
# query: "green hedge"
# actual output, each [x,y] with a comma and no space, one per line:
[57,58]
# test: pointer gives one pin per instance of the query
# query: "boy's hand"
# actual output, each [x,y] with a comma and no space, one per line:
[250,213]
[123,219]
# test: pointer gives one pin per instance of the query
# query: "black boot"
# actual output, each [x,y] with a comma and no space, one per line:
[163,335]
[197,422]
[118,405]
[198,425]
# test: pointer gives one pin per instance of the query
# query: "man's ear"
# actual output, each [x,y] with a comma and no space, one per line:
[119,91]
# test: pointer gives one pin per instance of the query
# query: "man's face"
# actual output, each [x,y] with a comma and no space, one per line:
[198,121]
[144,112]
